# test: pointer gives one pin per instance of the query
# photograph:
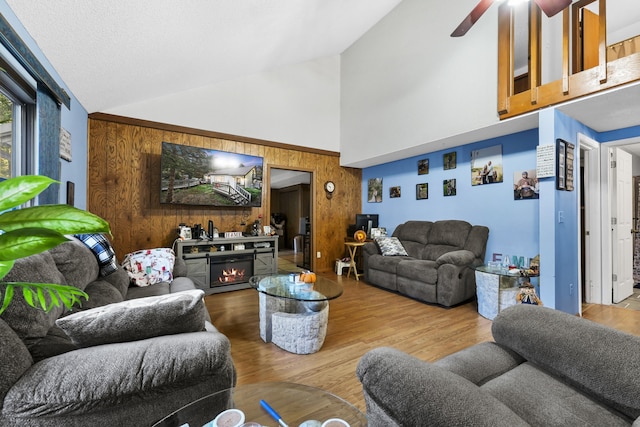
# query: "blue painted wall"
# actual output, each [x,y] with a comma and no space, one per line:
[513,223]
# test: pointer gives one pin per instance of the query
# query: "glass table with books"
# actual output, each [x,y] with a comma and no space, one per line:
[294,403]
[294,314]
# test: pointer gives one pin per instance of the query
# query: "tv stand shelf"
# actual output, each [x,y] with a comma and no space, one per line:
[209,261]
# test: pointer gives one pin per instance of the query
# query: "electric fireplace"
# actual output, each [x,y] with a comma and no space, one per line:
[230,270]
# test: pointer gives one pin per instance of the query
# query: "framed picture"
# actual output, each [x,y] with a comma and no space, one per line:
[449,187]
[525,185]
[394,192]
[71,189]
[561,147]
[423,167]
[568,170]
[422,191]
[374,190]
[449,160]
[486,165]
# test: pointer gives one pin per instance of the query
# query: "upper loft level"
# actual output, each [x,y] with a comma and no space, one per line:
[592,46]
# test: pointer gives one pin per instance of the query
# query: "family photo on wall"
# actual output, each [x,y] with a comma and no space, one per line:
[486,165]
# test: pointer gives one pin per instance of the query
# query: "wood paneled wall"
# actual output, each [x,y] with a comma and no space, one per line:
[124,185]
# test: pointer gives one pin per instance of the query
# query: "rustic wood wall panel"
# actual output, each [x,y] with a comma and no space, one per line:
[124,182]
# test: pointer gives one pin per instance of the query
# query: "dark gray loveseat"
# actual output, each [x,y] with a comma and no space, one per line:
[439,266]
[48,380]
[545,368]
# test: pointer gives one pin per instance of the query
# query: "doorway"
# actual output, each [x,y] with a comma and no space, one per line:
[601,218]
[290,213]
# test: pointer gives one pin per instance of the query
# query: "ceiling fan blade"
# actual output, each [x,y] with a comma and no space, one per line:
[551,7]
[473,17]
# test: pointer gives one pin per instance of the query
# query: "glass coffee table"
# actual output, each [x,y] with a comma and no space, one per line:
[295,403]
[294,315]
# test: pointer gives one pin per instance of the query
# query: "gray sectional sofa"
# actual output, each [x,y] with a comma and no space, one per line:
[438,266]
[545,368]
[138,355]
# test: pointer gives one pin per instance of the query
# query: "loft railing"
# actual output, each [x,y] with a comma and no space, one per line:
[576,62]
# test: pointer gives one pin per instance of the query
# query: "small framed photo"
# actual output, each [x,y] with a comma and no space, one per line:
[394,192]
[423,167]
[449,187]
[449,160]
[378,232]
[267,230]
[561,164]
[422,191]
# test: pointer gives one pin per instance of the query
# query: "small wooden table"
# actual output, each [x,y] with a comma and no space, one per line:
[353,249]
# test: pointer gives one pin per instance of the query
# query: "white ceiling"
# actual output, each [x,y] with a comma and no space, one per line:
[118,52]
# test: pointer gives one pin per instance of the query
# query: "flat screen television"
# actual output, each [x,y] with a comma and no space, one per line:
[366,222]
[206,177]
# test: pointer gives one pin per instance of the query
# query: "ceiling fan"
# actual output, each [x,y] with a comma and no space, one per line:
[549,7]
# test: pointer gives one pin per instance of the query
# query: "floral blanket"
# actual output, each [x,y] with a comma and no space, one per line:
[149,266]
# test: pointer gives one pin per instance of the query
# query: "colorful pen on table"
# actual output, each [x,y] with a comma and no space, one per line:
[273,413]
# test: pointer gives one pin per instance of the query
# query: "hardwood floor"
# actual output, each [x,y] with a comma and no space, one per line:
[363,318]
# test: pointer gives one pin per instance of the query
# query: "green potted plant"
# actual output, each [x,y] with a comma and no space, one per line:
[32,230]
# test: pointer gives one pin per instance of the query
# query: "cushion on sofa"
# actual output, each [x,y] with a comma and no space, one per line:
[450,232]
[390,246]
[137,319]
[414,231]
[12,349]
[76,262]
[25,320]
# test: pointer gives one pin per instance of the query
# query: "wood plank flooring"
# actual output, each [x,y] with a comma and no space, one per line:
[363,318]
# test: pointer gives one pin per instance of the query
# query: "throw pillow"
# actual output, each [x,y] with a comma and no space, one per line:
[136,319]
[390,246]
[103,251]
[150,266]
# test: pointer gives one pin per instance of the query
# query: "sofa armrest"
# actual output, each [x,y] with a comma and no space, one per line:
[585,354]
[105,376]
[370,248]
[409,391]
[460,257]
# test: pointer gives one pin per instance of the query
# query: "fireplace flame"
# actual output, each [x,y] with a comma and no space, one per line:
[231,275]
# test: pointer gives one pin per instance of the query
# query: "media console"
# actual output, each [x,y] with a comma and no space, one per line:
[226,264]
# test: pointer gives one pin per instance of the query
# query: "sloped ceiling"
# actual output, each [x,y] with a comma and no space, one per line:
[117,52]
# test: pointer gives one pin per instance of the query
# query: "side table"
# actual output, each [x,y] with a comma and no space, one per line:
[497,289]
[353,250]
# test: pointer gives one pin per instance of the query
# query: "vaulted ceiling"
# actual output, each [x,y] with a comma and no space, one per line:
[117,52]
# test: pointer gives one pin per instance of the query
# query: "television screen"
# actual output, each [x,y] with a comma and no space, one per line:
[205,177]
[366,222]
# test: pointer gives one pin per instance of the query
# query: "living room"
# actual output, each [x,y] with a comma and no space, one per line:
[402,93]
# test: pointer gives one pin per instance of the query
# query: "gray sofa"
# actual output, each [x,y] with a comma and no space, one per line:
[438,268]
[48,379]
[545,368]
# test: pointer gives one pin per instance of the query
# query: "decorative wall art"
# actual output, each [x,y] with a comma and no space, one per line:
[449,187]
[568,174]
[423,167]
[561,147]
[486,165]
[394,192]
[449,160]
[374,190]
[422,191]
[525,185]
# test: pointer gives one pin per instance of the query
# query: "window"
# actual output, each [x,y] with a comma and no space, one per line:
[17,124]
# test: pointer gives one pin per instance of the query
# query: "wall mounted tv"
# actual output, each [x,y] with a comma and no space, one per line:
[206,177]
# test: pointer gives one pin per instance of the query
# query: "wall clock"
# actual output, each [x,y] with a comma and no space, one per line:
[329,187]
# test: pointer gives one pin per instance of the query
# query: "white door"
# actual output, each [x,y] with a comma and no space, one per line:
[622,239]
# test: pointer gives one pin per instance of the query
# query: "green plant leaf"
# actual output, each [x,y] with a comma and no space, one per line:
[5,267]
[28,241]
[35,294]
[16,191]
[64,219]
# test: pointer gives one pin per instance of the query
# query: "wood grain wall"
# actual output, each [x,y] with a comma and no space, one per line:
[124,182]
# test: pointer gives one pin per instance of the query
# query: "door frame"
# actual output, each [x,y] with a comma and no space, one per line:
[590,149]
[312,202]
[606,283]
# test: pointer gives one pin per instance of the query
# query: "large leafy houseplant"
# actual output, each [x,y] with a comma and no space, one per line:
[32,230]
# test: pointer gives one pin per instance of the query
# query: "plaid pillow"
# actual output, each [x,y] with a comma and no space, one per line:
[103,251]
